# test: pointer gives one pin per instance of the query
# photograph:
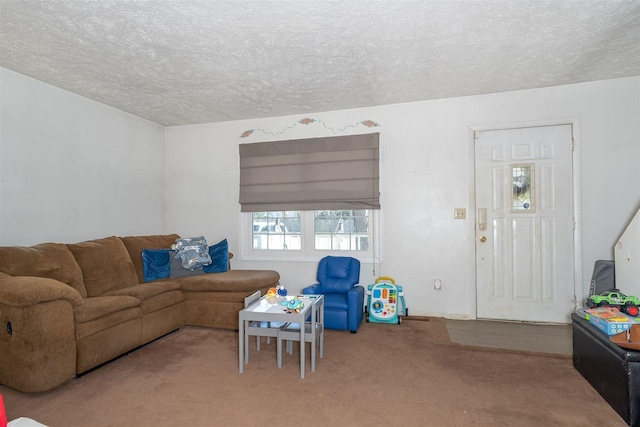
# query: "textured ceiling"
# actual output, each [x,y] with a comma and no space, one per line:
[185,62]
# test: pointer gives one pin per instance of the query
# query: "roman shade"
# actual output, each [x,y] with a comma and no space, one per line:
[340,172]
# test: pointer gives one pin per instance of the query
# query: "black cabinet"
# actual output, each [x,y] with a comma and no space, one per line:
[612,370]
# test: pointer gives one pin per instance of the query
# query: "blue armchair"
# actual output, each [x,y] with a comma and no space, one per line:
[343,300]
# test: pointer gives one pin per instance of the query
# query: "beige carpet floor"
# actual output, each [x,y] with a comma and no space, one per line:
[385,375]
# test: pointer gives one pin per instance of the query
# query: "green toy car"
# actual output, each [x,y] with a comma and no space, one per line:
[628,304]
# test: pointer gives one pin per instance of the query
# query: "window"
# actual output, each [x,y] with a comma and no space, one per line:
[307,198]
[309,235]
[276,230]
[341,230]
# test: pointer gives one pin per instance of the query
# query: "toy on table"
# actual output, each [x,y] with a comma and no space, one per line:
[614,298]
[293,305]
[272,296]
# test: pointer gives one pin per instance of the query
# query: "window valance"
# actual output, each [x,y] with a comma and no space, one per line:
[340,172]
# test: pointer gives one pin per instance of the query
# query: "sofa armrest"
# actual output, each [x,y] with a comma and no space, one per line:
[23,291]
[37,339]
[311,290]
[355,301]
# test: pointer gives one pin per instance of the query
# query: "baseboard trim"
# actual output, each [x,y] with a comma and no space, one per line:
[420,318]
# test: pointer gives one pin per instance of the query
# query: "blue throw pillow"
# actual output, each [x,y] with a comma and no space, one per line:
[219,254]
[156,263]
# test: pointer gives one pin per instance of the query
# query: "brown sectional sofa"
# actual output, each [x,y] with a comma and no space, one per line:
[67,308]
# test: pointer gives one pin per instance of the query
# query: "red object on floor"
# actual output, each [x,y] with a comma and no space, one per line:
[3,414]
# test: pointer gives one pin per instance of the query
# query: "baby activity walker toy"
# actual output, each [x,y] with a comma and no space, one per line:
[385,302]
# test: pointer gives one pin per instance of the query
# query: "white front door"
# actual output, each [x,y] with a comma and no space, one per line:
[525,224]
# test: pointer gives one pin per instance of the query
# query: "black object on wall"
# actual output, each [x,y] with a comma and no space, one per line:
[603,278]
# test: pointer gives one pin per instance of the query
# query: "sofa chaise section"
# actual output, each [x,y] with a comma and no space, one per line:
[211,300]
[215,303]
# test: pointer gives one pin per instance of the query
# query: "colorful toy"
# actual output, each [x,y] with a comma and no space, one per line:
[292,305]
[385,302]
[628,304]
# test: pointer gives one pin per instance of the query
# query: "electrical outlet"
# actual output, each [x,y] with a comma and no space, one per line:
[437,284]
[459,213]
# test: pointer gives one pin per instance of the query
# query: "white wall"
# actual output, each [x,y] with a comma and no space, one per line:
[425,174]
[73,169]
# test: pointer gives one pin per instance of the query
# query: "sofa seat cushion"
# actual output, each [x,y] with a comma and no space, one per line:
[232,297]
[100,313]
[229,281]
[153,296]
[48,260]
[105,264]
[94,308]
[161,301]
[108,321]
[145,291]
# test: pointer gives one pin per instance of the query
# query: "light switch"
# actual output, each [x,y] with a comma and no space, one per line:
[459,213]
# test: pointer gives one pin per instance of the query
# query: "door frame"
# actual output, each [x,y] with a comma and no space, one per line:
[578,289]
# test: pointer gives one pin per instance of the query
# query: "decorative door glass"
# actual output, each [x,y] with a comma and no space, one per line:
[523,193]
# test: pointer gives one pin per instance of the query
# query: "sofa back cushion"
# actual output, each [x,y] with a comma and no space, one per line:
[135,245]
[48,260]
[106,265]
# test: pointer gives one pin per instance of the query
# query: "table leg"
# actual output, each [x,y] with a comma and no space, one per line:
[322,331]
[241,344]
[247,347]
[302,347]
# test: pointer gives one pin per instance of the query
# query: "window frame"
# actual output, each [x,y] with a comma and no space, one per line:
[307,236]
